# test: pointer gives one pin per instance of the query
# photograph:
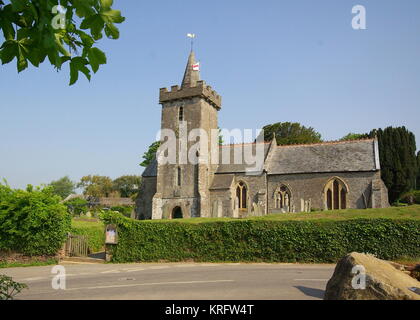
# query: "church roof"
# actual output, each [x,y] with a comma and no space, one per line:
[343,156]
[222,182]
[228,160]
[151,169]
[339,156]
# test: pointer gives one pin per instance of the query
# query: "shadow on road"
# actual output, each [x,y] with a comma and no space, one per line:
[312,292]
[98,255]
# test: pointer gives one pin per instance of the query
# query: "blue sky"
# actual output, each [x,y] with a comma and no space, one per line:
[272,61]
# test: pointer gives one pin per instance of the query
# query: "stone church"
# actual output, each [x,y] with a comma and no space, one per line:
[294,178]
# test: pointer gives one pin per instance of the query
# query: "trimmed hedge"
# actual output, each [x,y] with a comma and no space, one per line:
[32,221]
[94,231]
[255,240]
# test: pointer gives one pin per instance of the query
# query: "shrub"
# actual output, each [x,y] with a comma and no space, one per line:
[77,206]
[124,210]
[9,288]
[33,222]
[411,197]
[262,239]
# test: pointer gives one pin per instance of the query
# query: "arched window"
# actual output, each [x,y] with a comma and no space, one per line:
[181,114]
[241,195]
[282,198]
[335,194]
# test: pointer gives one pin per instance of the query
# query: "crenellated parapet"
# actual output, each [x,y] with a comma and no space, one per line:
[201,90]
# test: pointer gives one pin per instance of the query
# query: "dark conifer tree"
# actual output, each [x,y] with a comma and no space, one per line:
[397,152]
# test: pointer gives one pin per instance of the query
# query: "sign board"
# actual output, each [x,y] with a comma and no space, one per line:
[111,234]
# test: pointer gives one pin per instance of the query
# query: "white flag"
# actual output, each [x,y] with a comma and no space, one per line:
[196,66]
[191,35]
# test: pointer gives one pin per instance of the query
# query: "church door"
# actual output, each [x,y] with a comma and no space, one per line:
[177,213]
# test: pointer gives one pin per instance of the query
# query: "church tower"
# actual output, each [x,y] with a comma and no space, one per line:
[182,186]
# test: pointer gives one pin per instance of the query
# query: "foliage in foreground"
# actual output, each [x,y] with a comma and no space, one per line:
[9,288]
[32,221]
[35,30]
[258,240]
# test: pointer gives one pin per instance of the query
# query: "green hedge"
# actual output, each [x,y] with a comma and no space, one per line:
[94,231]
[32,221]
[262,239]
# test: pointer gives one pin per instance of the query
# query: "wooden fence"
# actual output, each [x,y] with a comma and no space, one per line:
[76,246]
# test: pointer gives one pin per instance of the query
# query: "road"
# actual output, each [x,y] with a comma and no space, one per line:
[176,281]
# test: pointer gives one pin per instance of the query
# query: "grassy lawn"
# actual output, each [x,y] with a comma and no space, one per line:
[93,229]
[410,212]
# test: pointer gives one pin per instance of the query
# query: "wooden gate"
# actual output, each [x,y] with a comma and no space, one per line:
[76,246]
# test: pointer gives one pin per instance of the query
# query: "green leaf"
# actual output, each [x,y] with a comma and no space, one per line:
[106,4]
[78,64]
[9,51]
[96,58]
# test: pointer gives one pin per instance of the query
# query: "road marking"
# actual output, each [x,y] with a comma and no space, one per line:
[133,270]
[158,267]
[310,279]
[33,279]
[111,271]
[148,284]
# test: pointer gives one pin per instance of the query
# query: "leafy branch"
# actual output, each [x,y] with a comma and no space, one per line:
[31,34]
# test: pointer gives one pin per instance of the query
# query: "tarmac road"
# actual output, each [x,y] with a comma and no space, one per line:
[176,281]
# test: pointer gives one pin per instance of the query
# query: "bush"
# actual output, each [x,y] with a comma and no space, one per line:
[77,206]
[33,222]
[259,240]
[411,197]
[94,231]
[124,210]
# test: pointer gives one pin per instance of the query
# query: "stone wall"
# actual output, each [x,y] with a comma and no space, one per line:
[145,199]
[311,186]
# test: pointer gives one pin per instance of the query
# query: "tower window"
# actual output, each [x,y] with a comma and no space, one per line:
[178,176]
[181,114]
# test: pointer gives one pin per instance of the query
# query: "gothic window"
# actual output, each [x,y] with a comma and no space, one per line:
[181,114]
[336,194]
[282,198]
[241,195]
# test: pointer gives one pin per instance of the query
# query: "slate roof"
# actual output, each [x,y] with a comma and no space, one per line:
[229,151]
[222,181]
[343,156]
[339,156]
[151,169]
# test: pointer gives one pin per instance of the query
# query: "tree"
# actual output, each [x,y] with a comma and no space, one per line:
[96,186]
[418,171]
[77,206]
[355,136]
[36,29]
[397,153]
[127,185]
[150,154]
[291,133]
[63,187]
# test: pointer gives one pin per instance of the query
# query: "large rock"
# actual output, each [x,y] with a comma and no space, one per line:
[383,280]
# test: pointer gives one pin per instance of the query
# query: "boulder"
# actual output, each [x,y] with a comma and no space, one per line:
[383,280]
